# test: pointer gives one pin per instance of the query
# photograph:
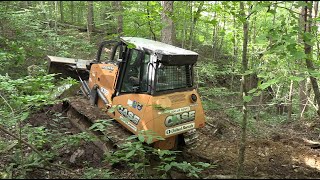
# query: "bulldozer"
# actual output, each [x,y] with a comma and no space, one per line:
[144,85]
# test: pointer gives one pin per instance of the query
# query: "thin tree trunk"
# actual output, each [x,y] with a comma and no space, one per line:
[244,93]
[235,54]
[153,35]
[55,14]
[222,38]
[194,22]
[260,105]
[274,15]
[26,4]
[184,26]
[168,34]
[290,101]
[80,13]
[61,11]
[191,19]
[302,84]
[90,20]
[214,36]
[50,5]
[308,52]
[72,11]
[118,10]
[253,42]
[43,9]
[316,6]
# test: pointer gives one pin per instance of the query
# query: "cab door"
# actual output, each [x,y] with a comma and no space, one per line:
[132,90]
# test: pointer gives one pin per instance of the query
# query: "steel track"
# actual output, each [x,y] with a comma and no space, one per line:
[82,115]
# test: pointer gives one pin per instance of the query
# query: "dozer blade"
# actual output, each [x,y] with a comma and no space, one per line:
[68,67]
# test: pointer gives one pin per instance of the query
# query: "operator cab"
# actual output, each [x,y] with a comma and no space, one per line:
[151,67]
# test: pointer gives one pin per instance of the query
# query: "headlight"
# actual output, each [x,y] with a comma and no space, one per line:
[193,98]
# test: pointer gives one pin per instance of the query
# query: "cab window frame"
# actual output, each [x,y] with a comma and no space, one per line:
[124,76]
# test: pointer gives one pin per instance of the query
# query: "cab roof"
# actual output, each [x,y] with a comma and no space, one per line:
[156,46]
[166,53]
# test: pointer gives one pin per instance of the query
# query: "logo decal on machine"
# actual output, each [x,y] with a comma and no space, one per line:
[110,68]
[179,128]
[175,111]
[176,119]
[104,91]
[135,104]
[127,122]
[128,114]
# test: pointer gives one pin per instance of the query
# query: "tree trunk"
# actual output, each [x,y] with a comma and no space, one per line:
[61,11]
[194,22]
[235,54]
[244,93]
[274,15]
[50,5]
[55,15]
[120,19]
[254,35]
[290,101]
[214,36]
[153,35]
[90,20]
[168,31]
[25,4]
[119,10]
[308,52]
[316,6]
[80,13]
[43,10]
[302,84]
[72,11]
[184,26]
[222,38]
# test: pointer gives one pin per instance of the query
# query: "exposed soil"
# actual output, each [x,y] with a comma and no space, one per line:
[284,152]
[290,150]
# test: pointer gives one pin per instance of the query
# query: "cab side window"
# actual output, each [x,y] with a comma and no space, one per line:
[135,77]
[132,74]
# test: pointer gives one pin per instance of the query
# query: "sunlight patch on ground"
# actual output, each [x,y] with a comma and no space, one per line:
[312,161]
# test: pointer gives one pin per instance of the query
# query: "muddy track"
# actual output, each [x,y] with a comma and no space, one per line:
[82,115]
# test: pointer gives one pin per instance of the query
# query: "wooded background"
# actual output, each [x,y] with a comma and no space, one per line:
[258,60]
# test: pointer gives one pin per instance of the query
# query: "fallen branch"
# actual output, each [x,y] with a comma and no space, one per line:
[7,103]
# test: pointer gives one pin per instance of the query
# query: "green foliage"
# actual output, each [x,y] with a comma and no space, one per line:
[234,114]
[136,155]
[168,162]
[38,136]
[97,173]
[216,92]
[100,125]
[29,91]
[74,140]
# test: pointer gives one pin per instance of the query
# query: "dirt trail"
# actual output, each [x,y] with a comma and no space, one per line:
[284,153]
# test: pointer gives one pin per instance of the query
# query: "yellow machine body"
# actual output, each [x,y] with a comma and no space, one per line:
[158,113]
[149,83]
